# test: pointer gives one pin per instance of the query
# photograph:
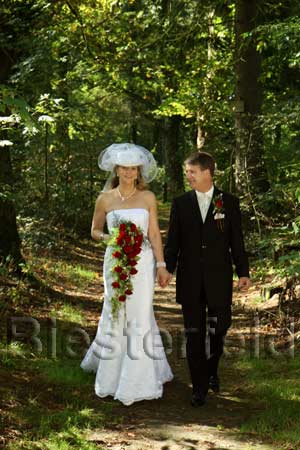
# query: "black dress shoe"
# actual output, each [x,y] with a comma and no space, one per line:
[214,383]
[198,399]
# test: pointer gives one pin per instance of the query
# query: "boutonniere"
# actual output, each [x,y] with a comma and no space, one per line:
[219,211]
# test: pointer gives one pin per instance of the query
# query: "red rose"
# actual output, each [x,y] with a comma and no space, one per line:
[115,285]
[138,239]
[127,239]
[122,227]
[127,249]
[131,255]
[117,255]
[132,262]
[133,271]
[133,227]
[118,269]
[121,237]
[122,298]
[128,292]
[219,203]
[123,276]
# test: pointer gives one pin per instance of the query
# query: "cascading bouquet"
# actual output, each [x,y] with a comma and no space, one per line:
[126,240]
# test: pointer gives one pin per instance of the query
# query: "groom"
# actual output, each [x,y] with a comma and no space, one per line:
[204,238]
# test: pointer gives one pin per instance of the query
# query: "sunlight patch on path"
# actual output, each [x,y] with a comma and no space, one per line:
[188,437]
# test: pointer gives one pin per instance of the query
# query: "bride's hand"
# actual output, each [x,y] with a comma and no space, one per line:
[103,237]
[163,276]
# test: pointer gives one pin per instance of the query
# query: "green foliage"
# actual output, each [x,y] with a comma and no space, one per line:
[65,372]
[276,253]
[279,396]
[90,73]
[68,313]
[12,353]
[54,417]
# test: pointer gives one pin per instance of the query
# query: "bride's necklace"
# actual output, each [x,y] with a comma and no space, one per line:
[125,197]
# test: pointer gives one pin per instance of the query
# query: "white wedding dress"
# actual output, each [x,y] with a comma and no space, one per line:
[127,354]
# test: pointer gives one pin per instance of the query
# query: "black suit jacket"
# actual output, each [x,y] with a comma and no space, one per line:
[203,253]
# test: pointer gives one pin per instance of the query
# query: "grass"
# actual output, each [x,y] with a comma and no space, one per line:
[67,440]
[12,354]
[47,401]
[68,313]
[69,434]
[38,338]
[64,372]
[61,271]
[274,384]
[71,271]
[50,402]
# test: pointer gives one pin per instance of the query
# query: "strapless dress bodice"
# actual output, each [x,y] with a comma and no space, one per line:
[139,216]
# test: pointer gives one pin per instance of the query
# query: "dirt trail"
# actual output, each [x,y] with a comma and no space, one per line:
[171,423]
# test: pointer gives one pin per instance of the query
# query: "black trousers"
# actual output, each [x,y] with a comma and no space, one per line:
[205,330]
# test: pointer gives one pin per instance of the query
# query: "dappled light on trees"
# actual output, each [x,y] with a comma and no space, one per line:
[172,76]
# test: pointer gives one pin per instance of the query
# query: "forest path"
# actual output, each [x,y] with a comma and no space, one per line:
[171,423]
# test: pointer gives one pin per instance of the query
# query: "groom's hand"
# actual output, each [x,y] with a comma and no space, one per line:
[169,278]
[244,284]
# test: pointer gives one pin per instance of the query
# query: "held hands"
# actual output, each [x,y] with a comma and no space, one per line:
[163,277]
[244,284]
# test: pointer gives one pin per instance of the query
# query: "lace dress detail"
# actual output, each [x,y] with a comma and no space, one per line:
[128,355]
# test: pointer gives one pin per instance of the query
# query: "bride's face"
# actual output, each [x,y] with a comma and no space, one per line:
[127,174]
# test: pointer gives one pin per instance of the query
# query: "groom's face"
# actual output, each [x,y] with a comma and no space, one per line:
[196,176]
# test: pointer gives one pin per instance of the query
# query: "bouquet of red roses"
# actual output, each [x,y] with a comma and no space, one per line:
[126,240]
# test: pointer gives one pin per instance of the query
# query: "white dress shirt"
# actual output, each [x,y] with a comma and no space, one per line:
[204,200]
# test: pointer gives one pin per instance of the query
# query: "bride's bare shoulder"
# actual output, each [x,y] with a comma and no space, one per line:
[105,198]
[149,196]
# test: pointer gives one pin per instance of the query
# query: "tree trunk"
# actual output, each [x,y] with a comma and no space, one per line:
[46,161]
[10,244]
[200,134]
[249,165]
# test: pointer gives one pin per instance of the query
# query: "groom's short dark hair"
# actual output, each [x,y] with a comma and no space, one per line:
[202,159]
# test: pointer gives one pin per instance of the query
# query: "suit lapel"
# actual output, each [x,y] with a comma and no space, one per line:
[210,216]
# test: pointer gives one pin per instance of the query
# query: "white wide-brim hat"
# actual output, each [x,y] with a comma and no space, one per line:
[126,154]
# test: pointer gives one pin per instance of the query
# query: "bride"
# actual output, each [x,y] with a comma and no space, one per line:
[127,353]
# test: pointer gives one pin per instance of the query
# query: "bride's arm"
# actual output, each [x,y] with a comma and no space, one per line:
[154,231]
[156,241]
[99,219]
